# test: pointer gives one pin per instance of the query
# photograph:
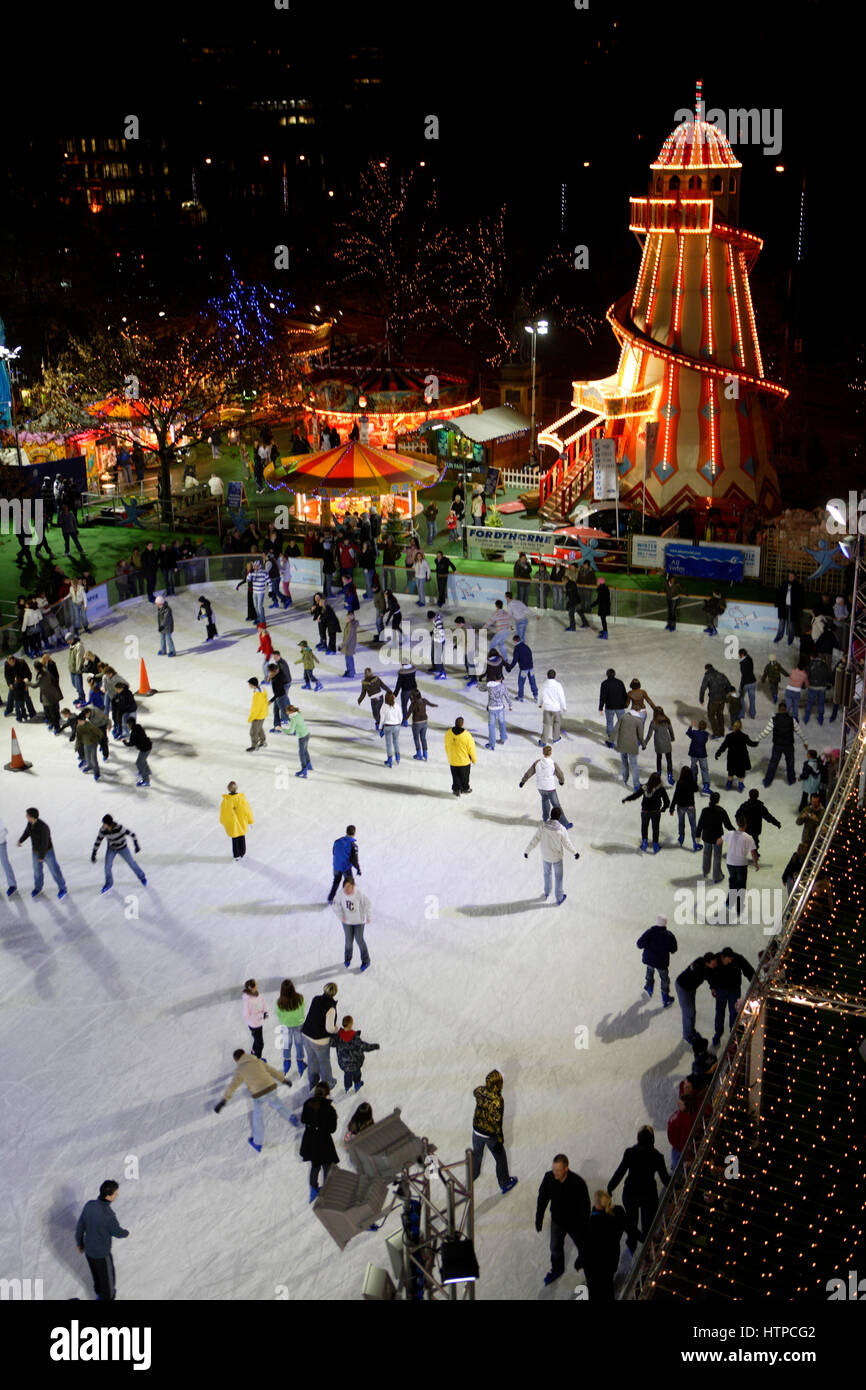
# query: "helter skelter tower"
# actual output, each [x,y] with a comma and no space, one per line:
[688,405]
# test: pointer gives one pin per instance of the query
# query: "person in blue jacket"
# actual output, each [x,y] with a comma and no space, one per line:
[697,738]
[97,1224]
[345,860]
[522,659]
[658,945]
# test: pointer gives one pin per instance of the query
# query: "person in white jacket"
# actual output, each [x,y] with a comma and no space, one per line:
[4,860]
[547,773]
[255,1014]
[554,840]
[353,909]
[551,698]
[422,574]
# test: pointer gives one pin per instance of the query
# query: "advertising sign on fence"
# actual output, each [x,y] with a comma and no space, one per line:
[648,552]
[701,562]
[498,538]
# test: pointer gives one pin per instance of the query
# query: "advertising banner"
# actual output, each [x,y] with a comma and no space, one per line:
[648,552]
[604,487]
[701,562]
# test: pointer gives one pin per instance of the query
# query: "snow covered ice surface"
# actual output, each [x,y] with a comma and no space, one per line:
[117,1030]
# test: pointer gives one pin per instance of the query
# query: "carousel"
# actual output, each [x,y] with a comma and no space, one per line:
[347,480]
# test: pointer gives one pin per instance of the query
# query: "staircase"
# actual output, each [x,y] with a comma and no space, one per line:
[561,488]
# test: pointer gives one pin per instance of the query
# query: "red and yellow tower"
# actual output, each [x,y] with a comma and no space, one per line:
[688,405]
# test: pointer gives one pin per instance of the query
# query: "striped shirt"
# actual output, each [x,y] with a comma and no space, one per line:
[260,581]
[501,620]
[438,630]
[115,836]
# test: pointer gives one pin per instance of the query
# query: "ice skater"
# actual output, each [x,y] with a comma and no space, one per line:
[261,1081]
[662,731]
[522,659]
[547,773]
[498,701]
[487,1132]
[658,945]
[115,837]
[97,1227]
[654,801]
[640,1166]
[698,738]
[551,699]
[404,685]
[289,1010]
[297,725]
[350,1048]
[437,646]
[353,910]
[136,738]
[235,819]
[205,610]
[257,716]
[461,753]
[318,1028]
[165,627]
[266,648]
[374,687]
[683,802]
[736,744]
[390,730]
[554,841]
[567,1195]
[344,857]
[349,643]
[319,1119]
[39,835]
[255,1014]
[309,663]
[418,708]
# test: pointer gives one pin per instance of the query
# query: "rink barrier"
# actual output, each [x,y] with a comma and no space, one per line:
[640,604]
[732,1078]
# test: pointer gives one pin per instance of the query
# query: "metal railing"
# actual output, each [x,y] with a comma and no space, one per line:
[729,1074]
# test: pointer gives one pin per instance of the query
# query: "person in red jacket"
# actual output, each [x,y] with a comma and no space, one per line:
[266,647]
[679,1128]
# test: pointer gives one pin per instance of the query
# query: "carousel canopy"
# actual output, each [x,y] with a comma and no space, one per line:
[353,467]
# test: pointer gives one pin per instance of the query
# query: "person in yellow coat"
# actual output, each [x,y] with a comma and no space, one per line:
[235,816]
[258,715]
[460,752]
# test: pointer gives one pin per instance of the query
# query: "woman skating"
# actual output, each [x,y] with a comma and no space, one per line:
[600,1250]
[662,731]
[418,707]
[376,689]
[235,816]
[390,730]
[640,1166]
[737,745]
[205,610]
[319,1119]
[683,802]
[654,800]
[290,1015]
[255,1014]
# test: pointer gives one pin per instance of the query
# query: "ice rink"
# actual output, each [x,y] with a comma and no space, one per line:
[121,1012]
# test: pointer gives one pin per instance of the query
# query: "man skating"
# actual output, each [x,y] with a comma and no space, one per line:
[345,860]
[352,907]
[547,773]
[567,1195]
[97,1226]
[115,837]
[165,627]
[487,1131]
[257,716]
[39,835]
[261,1082]
[554,841]
[552,701]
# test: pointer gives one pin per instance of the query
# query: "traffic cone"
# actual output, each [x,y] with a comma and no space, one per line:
[17,764]
[144,686]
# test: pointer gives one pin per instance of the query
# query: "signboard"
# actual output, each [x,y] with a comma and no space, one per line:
[648,552]
[703,563]
[605,486]
[234,496]
[97,601]
[652,434]
[498,538]
[363,430]
[490,482]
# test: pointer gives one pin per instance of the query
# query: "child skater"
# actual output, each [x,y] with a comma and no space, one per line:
[205,611]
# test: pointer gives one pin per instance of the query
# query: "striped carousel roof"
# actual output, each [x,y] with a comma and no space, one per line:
[353,467]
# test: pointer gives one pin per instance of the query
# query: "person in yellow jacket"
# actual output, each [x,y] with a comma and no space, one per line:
[258,715]
[460,752]
[235,816]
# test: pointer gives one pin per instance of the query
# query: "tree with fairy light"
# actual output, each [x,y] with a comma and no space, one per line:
[394,241]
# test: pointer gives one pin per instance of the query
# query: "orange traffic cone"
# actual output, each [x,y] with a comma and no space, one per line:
[17,764]
[144,686]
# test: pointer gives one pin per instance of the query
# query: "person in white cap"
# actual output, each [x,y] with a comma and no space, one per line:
[165,626]
[658,945]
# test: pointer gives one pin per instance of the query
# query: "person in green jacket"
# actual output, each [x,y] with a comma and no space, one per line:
[290,1015]
[298,725]
[309,662]
[87,741]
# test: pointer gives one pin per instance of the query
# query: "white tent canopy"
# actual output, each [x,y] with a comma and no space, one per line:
[490,424]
